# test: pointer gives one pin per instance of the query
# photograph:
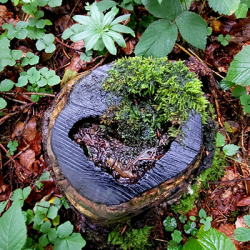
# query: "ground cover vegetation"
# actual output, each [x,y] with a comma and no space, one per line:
[44,41]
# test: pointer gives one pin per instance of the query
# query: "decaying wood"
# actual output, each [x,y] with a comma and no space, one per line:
[96,193]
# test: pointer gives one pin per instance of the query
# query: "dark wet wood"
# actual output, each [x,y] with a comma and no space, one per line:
[96,193]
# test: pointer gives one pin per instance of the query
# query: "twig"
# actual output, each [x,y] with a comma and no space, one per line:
[6,151]
[178,45]
[202,7]
[100,63]
[15,100]
[2,120]
[66,45]
[28,93]
[229,181]
[238,161]
[15,156]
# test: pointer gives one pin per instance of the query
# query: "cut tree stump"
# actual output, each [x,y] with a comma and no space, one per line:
[96,193]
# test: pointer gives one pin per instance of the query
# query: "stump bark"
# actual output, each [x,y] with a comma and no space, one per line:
[96,193]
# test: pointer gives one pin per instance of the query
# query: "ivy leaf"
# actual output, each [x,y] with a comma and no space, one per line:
[168,9]
[3,103]
[242,234]
[220,140]
[239,69]
[6,85]
[176,235]
[75,241]
[158,39]
[214,240]
[170,224]
[64,230]
[13,229]
[73,30]
[226,7]
[193,28]
[230,149]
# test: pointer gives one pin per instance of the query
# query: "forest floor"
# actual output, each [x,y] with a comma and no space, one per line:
[226,200]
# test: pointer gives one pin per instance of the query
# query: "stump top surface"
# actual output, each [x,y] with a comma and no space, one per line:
[88,99]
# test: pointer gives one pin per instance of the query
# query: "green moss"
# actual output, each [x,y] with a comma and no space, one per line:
[136,239]
[215,172]
[211,174]
[187,200]
[155,94]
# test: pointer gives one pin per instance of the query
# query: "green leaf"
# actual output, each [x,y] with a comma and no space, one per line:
[52,213]
[214,240]
[109,16]
[202,213]
[192,218]
[45,227]
[239,91]
[50,48]
[40,45]
[33,75]
[209,31]
[55,3]
[26,192]
[168,9]
[230,149]
[75,241]
[64,230]
[48,38]
[220,140]
[29,216]
[170,224]
[85,58]
[12,229]
[74,29]
[22,81]
[176,236]
[245,99]
[109,43]
[3,103]
[192,244]
[207,223]
[242,234]
[158,39]
[226,7]
[239,69]
[52,235]
[225,85]
[91,41]
[43,240]
[16,54]
[183,218]
[122,29]
[193,28]
[247,220]
[105,5]
[6,85]
[120,19]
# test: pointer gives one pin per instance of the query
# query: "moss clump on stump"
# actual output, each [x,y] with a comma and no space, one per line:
[156,95]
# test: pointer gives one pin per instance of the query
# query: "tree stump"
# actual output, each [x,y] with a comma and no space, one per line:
[96,193]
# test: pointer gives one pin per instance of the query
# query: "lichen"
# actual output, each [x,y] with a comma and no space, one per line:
[156,95]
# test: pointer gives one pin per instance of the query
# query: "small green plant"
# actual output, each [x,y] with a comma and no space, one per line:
[45,220]
[136,239]
[154,92]
[224,40]
[12,146]
[243,233]
[229,149]
[206,238]
[99,31]
[46,43]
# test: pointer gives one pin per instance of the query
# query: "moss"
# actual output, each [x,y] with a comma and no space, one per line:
[136,239]
[156,94]
[211,174]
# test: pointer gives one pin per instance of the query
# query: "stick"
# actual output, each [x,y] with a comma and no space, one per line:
[6,151]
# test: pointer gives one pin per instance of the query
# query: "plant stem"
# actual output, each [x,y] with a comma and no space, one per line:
[244,164]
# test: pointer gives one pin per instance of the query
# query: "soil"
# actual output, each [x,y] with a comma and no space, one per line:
[126,163]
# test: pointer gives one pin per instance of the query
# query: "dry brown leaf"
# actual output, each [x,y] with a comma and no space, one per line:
[130,46]
[30,131]
[18,130]
[4,13]
[27,159]
[244,202]
[76,63]
[78,45]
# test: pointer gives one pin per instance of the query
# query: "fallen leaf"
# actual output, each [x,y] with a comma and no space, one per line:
[27,159]
[130,46]
[243,202]
[30,131]
[76,63]
[18,130]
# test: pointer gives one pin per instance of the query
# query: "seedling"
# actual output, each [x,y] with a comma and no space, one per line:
[12,145]
[243,233]
[224,40]
[170,224]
